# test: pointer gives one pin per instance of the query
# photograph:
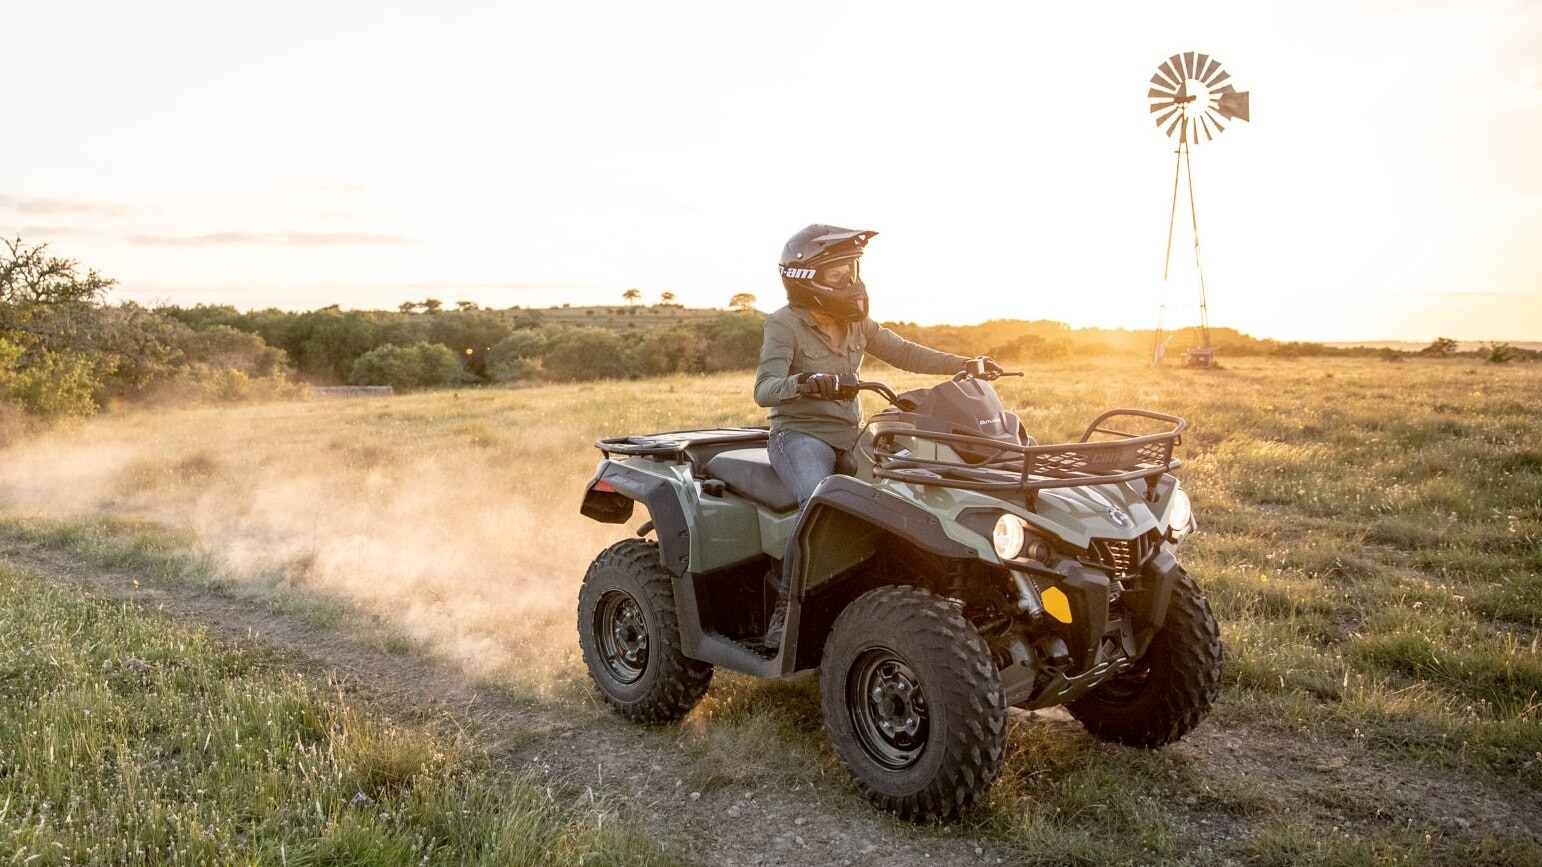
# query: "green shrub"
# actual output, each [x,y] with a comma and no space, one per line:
[420,365]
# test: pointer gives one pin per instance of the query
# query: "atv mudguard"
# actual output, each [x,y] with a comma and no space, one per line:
[840,529]
[609,496]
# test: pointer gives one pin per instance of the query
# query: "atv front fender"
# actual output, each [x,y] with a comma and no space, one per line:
[840,522]
[1147,603]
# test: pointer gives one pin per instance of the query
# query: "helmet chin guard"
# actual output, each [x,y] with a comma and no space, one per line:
[805,258]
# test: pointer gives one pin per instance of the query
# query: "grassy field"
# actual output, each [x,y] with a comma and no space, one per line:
[1370,540]
[127,739]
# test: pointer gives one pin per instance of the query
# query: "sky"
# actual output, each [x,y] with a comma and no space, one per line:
[295,155]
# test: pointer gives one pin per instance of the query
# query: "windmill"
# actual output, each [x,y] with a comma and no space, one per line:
[1191,95]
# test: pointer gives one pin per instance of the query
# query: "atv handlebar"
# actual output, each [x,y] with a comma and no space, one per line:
[974,368]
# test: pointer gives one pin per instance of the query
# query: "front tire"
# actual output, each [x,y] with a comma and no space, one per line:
[1170,689]
[630,635]
[912,703]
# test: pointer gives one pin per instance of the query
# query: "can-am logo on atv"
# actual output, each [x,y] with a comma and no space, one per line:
[797,273]
[1119,518]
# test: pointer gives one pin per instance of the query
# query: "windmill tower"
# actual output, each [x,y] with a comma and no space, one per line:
[1191,95]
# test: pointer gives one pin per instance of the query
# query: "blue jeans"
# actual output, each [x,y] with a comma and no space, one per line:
[804,460]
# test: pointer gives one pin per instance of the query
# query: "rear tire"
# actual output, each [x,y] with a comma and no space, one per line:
[1170,689]
[630,635]
[912,703]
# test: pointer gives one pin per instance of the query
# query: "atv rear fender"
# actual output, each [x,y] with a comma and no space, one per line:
[609,496]
[697,531]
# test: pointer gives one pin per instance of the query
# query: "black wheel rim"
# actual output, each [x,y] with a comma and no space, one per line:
[622,636]
[887,708]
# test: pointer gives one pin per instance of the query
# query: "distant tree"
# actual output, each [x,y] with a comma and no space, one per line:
[324,344]
[667,297]
[40,294]
[1501,353]
[631,295]
[742,301]
[586,353]
[226,348]
[432,305]
[416,366]
[470,334]
[50,325]
[466,305]
[408,307]
[674,349]
[733,342]
[518,356]
[1441,346]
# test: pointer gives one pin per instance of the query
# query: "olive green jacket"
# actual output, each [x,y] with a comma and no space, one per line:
[793,344]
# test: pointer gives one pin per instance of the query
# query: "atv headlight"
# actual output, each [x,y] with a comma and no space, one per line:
[1180,516]
[1008,536]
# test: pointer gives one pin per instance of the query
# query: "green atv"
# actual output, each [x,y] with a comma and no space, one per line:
[962,570]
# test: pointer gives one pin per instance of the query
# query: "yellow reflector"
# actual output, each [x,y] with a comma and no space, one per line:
[1056,603]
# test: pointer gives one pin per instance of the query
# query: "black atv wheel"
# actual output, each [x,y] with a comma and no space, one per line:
[1170,689]
[912,703]
[630,636]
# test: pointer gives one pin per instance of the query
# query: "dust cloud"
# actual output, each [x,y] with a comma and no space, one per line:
[469,543]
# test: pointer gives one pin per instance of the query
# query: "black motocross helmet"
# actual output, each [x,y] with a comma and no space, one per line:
[805,259]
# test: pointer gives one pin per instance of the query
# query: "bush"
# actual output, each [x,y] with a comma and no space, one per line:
[51,384]
[420,365]
[733,341]
[669,350]
[586,353]
[1502,353]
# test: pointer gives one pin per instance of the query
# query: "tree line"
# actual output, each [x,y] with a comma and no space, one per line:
[64,351]
[419,346]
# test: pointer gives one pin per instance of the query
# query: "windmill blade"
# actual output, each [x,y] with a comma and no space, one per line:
[1204,123]
[1189,69]
[1203,66]
[1162,82]
[1232,104]
[1154,93]
[1170,127]
[1171,110]
[1173,69]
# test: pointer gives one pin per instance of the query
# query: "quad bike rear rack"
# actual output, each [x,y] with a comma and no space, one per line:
[693,446]
[1012,467]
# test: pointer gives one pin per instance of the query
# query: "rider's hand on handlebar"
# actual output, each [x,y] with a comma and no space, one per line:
[984,367]
[828,386]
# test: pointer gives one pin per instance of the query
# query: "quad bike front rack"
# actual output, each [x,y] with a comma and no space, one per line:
[1011,467]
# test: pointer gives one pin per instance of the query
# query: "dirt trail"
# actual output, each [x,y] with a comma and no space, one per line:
[643,772]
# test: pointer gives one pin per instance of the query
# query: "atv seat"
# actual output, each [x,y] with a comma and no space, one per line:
[748,473]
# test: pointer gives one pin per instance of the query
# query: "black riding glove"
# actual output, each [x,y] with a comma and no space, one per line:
[827,386]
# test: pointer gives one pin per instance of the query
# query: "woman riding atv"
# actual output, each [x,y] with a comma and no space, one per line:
[809,360]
